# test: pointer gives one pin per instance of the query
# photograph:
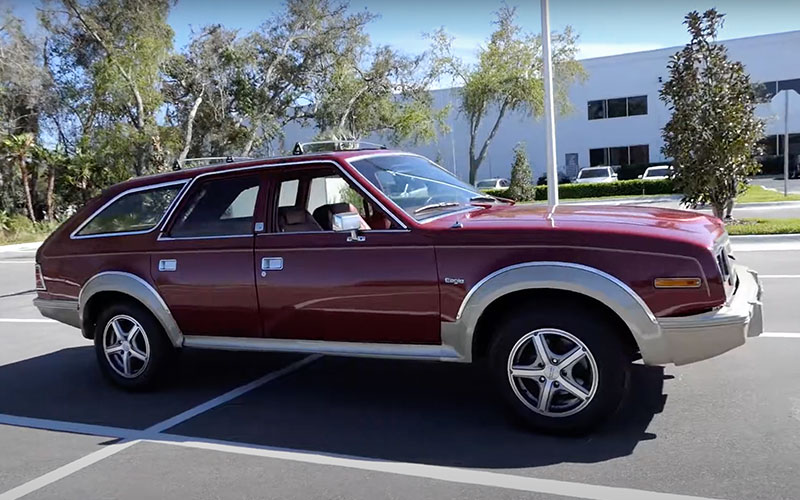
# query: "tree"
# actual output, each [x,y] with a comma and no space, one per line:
[507,77]
[18,150]
[389,96]
[713,133]
[105,57]
[521,188]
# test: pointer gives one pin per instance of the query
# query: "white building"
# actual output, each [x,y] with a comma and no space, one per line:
[617,116]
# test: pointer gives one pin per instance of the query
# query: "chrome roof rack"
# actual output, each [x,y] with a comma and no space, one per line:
[206,160]
[323,146]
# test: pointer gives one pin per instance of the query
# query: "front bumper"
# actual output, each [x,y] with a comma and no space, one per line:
[693,338]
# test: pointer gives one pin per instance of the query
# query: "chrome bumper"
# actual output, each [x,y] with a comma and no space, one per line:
[64,311]
[693,338]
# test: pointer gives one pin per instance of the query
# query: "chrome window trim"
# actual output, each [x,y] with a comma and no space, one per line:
[572,265]
[150,187]
[365,232]
[161,237]
[182,194]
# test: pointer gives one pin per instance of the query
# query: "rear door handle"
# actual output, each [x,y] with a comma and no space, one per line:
[272,264]
[167,265]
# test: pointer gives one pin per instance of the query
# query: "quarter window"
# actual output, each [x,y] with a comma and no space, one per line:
[139,211]
[218,207]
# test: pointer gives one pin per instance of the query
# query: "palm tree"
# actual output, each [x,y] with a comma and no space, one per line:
[17,149]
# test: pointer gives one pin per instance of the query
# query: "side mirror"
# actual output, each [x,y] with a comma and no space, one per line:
[348,222]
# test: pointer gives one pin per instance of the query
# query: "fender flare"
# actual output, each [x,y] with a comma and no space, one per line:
[137,288]
[566,276]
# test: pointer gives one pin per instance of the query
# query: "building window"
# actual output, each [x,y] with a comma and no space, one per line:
[598,156]
[620,155]
[597,110]
[766,90]
[637,105]
[618,107]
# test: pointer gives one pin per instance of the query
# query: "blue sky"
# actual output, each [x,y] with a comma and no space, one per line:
[605,26]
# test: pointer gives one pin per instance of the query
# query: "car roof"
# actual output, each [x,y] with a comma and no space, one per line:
[596,168]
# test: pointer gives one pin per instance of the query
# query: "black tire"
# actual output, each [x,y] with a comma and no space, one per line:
[590,326]
[159,351]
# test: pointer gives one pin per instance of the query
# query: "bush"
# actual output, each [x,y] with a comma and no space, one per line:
[521,188]
[19,224]
[600,189]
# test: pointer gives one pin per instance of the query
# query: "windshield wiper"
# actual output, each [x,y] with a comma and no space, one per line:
[437,205]
[489,199]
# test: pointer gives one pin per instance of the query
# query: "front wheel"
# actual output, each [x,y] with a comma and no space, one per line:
[131,346]
[560,372]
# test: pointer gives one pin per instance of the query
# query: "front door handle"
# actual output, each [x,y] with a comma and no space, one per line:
[272,264]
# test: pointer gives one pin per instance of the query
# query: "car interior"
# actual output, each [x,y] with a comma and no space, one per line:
[309,199]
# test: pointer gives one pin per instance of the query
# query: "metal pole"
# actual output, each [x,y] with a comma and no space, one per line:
[549,116]
[786,144]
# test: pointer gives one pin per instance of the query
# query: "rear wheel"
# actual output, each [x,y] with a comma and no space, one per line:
[561,372]
[131,346]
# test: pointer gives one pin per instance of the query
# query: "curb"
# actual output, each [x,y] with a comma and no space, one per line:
[21,247]
[766,238]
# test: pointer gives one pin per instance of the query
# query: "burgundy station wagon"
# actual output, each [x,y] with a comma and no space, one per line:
[385,254]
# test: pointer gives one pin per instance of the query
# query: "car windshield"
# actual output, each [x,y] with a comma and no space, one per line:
[485,184]
[591,173]
[417,185]
[657,172]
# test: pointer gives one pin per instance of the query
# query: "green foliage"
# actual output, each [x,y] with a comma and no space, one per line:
[599,189]
[713,133]
[507,77]
[521,188]
[763,226]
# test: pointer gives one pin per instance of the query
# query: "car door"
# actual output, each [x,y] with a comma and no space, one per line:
[317,284]
[203,265]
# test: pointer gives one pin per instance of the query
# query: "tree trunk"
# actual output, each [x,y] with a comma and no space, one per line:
[51,188]
[729,208]
[187,136]
[26,188]
[141,160]
[718,209]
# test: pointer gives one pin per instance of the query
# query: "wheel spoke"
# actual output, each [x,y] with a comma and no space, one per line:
[126,363]
[132,334]
[136,353]
[529,371]
[545,395]
[120,334]
[113,348]
[573,357]
[542,351]
[574,389]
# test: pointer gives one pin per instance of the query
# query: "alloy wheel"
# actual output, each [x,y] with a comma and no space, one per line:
[126,346]
[552,372]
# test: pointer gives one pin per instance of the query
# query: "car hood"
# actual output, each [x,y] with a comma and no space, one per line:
[653,222]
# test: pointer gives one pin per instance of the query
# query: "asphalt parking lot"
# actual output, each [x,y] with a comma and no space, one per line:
[244,425]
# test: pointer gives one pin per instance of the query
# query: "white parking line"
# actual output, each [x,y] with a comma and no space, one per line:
[436,472]
[92,458]
[17,262]
[27,320]
[781,335]
[779,276]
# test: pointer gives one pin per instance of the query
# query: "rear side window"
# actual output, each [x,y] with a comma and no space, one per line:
[220,207]
[134,212]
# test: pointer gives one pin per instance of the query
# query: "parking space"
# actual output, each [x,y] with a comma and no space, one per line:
[358,428]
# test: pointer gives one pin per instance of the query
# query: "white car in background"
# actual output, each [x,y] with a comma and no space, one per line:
[656,173]
[596,174]
[496,183]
